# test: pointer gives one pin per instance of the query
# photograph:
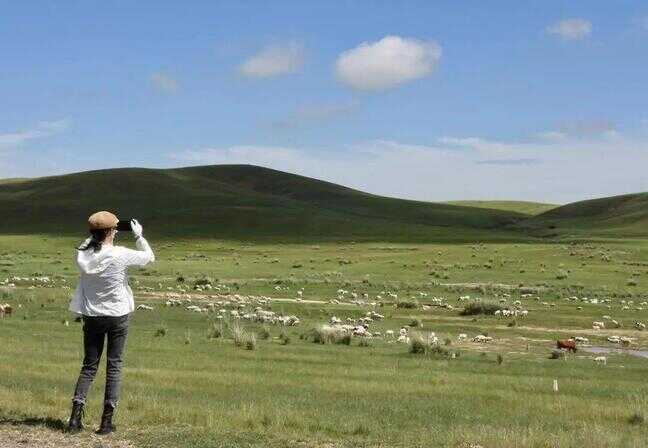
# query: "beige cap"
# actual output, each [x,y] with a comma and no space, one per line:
[102,220]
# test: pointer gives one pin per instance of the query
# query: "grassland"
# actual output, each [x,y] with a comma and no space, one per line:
[187,389]
[524,207]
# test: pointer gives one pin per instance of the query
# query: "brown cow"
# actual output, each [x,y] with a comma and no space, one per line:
[566,344]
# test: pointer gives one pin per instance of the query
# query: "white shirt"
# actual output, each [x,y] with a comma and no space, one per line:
[103,288]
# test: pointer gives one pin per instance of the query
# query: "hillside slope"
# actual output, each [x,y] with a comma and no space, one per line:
[615,216]
[234,201]
[524,207]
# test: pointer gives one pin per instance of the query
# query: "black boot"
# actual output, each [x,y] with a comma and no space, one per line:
[106,426]
[76,418]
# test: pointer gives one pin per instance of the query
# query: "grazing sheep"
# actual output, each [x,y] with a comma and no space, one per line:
[144,307]
[480,338]
[389,333]
[640,326]
[598,325]
[6,310]
[462,337]
[581,339]
[601,360]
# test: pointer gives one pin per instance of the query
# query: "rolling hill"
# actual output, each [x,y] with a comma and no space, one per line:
[524,207]
[236,201]
[615,216]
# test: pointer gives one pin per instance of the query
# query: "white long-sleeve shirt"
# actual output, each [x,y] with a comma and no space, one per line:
[103,288]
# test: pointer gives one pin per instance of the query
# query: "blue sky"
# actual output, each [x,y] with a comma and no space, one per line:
[427,100]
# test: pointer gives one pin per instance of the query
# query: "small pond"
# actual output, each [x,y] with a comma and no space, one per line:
[623,351]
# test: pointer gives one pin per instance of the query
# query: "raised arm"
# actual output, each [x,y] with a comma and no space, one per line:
[143,255]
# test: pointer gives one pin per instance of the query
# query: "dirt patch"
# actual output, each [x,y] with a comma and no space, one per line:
[27,435]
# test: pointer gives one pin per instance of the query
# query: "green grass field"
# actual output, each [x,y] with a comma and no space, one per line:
[189,388]
[524,207]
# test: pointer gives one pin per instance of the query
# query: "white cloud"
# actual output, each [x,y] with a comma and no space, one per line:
[164,83]
[43,129]
[274,60]
[387,63]
[560,171]
[571,29]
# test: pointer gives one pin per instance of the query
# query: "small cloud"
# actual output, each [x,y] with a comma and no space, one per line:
[387,63]
[571,29]
[42,129]
[164,83]
[274,60]
[509,162]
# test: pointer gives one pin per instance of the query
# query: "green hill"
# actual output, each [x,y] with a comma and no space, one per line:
[615,216]
[524,207]
[236,201]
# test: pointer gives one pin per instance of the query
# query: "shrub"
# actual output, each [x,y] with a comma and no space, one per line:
[242,338]
[202,281]
[422,345]
[500,359]
[637,418]
[475,308]
[418,344]
[407,304]
[284,338]
[416,322]
[557,354]
[250,341]
[562,274]
[632,282]
[161,331]
[325,334]
[187,339]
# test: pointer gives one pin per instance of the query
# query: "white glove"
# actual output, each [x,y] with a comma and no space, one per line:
[137,228]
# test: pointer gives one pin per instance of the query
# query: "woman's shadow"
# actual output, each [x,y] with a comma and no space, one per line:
[52,423]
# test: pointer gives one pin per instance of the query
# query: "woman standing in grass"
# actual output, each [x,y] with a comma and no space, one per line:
[105,300]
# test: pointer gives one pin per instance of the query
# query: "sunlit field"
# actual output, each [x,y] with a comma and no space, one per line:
[214,375]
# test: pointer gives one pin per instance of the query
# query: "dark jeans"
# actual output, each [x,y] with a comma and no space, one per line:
[95,331]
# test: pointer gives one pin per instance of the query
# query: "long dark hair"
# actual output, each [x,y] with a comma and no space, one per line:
[98,237]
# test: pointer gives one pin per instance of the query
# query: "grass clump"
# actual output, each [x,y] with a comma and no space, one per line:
[215,332]
[325,334]
[407,304]
[557,354]
[475,308]
[242,338]
[284,339]
[416,322]
[637,418]
[422,345]
[161,331]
